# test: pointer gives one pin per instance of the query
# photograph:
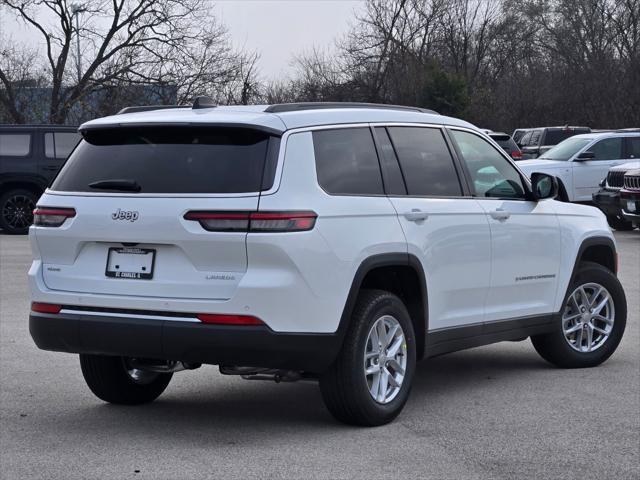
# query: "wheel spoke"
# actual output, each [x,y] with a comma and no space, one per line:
[601,331]
[575,301]
[390,335]
[375,341]
[372,369]
[589,331]
[384,383]
[394,383]
[575,328]
[579,339]
[596,295]
[604,319]
[395,348]
[375,385]
[598,308]
[382,333]
[571,317]
[584,297]
[397,368]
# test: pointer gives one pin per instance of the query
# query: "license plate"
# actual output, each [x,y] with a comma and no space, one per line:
[631,205]
[131,263]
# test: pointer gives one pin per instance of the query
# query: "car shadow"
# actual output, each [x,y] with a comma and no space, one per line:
[231,413]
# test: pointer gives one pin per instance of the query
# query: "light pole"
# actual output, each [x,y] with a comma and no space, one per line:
[76,9]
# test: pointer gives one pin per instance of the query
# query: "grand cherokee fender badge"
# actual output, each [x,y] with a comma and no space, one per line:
[131,215]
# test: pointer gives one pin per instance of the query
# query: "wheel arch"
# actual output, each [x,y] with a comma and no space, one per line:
[401,274]
[600,250]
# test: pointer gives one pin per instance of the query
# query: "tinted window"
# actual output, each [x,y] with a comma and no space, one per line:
[60,144]
[535,138]
[633,147]
[425,160]
[566,149]
[492,175]
[518,134]
[15,144]
[347,162]
[553,137]
[607,149]
[394,183]
[524,141]
[169,160]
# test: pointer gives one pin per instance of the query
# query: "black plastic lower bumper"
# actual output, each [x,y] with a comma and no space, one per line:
[183,341]
[608,201]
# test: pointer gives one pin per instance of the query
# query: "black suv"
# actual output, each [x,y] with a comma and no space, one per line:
[30,156]
[536,141]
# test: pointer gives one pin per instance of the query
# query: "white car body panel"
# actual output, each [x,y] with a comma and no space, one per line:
[581,178]
[299,282]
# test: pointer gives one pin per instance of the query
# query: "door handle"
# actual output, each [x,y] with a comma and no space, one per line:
[416,215]
[51,168]
[499,214]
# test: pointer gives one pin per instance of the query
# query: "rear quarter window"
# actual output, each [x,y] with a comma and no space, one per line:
[173,160]
[347,162]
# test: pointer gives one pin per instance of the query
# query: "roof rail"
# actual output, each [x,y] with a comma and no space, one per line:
[147,108]
[296,107]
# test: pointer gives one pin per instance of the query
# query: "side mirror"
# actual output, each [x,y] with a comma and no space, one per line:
[585,156]
[544,186]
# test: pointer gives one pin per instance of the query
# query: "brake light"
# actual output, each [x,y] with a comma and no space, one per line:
[220,319]
[45,307]
[51,216]
[516,155]
[254,221]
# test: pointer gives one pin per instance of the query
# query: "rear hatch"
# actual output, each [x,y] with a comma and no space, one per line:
[131,188]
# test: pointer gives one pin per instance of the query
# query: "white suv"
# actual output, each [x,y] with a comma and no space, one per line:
[338,242]
[582,161]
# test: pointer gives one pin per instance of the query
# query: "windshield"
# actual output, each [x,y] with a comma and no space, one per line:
[566,149]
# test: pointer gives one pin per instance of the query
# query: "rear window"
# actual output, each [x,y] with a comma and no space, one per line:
[173,160]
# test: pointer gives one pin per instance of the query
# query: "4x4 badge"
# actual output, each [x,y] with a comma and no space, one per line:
[131,215]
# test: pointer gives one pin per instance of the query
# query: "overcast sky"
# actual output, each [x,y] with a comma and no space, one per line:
[277,29]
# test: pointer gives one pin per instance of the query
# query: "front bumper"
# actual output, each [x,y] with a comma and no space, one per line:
[630,197]
[193,342]
[608,201]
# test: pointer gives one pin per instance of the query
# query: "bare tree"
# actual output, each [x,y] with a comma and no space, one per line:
[161,42]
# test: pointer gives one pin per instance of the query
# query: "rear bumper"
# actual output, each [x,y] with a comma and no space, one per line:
[608,201]
[192,342]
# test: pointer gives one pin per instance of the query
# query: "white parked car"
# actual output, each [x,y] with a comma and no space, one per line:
[582,161]
[336,242]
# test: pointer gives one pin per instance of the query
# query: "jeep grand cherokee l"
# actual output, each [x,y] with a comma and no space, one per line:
[337,242]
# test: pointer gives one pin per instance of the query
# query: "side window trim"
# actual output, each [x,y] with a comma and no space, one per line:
[525,180]
[442,129]
[383,171]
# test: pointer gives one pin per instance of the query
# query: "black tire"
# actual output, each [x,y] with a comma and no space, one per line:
[344,386]
[108,379]
[619,224]
[553,346]
[16,211]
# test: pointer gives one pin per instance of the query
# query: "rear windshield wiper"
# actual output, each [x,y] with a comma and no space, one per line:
[117,184]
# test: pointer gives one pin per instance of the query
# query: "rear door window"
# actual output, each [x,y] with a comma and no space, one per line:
[633,147]
[347,162]
[60,144]
[15,144]
[425,160]
[607,149]
[172,160]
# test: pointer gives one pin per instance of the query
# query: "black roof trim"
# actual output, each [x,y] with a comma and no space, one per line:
[250,126]
[296,107]
[43,126]
[147,108]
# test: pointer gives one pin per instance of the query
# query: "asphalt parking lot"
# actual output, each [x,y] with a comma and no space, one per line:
[492,412]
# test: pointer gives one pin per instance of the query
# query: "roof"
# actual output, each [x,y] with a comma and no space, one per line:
[599,135]
[277,122]
[38,126]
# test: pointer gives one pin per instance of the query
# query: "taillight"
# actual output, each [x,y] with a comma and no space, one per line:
[516,155]
[254,221]
[220,319]
[51,216]
[45,307]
